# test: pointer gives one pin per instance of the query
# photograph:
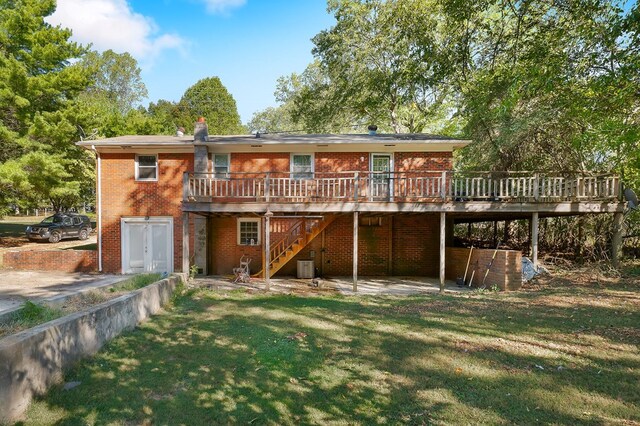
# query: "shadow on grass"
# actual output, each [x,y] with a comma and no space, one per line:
[293,360]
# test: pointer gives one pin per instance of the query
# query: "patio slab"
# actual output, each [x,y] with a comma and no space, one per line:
[18,286]
[371,286]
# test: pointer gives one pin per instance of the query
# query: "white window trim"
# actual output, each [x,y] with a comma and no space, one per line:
[244,220]
[386,154]
[138,179]
[212,158]
[391,168]
[307,154]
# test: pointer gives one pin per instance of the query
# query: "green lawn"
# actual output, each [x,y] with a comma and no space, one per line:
[12,228]
[566,352]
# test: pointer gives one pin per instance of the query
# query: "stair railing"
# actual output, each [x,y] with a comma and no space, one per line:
[297,231]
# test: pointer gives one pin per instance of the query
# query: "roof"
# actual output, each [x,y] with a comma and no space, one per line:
[277,139]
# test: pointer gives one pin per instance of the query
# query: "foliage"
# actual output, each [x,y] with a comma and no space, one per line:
[117,76]
[210,99]
[272,120]
[38,82]
[136,282]
[28,316]
[543,85]
[536,84]
[382,61]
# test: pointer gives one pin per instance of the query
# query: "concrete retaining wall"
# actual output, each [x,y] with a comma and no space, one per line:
[33,360]
[51,260]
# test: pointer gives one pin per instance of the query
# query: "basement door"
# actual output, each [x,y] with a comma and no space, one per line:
[147,245]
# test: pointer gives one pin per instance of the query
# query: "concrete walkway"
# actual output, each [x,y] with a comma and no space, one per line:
[372,286]
[18,286]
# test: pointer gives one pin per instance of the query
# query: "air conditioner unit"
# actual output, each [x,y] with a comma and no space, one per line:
[305,268]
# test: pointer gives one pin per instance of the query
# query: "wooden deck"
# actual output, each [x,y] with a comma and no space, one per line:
[399,192]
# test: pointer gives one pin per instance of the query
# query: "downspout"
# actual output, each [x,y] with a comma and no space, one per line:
[99,207]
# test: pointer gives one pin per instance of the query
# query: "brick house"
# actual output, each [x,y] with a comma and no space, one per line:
[369,205]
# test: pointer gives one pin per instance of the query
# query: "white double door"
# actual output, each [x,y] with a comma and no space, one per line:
[147,245]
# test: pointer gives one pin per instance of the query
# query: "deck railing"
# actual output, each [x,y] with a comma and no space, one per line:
[424,186]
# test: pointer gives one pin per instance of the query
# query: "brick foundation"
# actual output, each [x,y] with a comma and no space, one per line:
[505,272]
[52,260]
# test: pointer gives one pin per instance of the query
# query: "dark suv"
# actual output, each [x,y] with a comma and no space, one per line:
[59,226]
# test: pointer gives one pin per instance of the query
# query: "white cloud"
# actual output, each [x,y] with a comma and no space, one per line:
[112,24]
[222,6]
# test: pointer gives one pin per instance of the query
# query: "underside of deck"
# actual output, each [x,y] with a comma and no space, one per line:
[472,210]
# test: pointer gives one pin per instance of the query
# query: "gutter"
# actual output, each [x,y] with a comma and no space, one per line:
[99,206]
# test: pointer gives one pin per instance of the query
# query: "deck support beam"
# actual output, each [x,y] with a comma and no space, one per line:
[616,239]
[185,243]
[267,249]
[355,251]
[443,239]
[534,240]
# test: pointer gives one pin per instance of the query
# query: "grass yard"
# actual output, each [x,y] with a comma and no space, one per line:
[565,352]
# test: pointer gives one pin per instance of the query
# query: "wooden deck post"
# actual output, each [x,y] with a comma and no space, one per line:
[185,243]
[534,240]
[267,250]
[355,251]
[443,222]
[616,240]
[185,186]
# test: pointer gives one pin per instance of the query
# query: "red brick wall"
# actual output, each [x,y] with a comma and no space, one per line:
[416,245]
[425,161]
[505,271]
[224,251]
[52,260]
[124,196]
[259,162]
[340,161]
[414,240]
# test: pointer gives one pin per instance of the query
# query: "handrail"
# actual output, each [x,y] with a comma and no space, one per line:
[293,234]
[404,186]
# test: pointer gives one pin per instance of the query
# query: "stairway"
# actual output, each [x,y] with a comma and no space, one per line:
[298,236]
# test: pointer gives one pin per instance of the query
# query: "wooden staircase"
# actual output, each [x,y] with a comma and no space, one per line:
[298,236]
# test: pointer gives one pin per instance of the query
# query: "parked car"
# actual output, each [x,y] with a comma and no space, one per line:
[59,226]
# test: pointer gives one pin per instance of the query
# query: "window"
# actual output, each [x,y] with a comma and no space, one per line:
[220,165]
[301,166]
[77,220]
[146,167]
[67,221]
[248,232]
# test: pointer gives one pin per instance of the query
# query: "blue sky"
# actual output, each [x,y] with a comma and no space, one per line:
[247,43]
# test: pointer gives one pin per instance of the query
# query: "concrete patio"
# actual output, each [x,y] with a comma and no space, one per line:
[18,286]
[369,286]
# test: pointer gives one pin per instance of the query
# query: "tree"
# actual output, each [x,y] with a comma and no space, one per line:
[117,76]
[377,68]
[543,85]
[35,70]
[38,82]
[210,99]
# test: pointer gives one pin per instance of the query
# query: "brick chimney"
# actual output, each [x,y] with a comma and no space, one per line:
[200,152]
[201,131]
